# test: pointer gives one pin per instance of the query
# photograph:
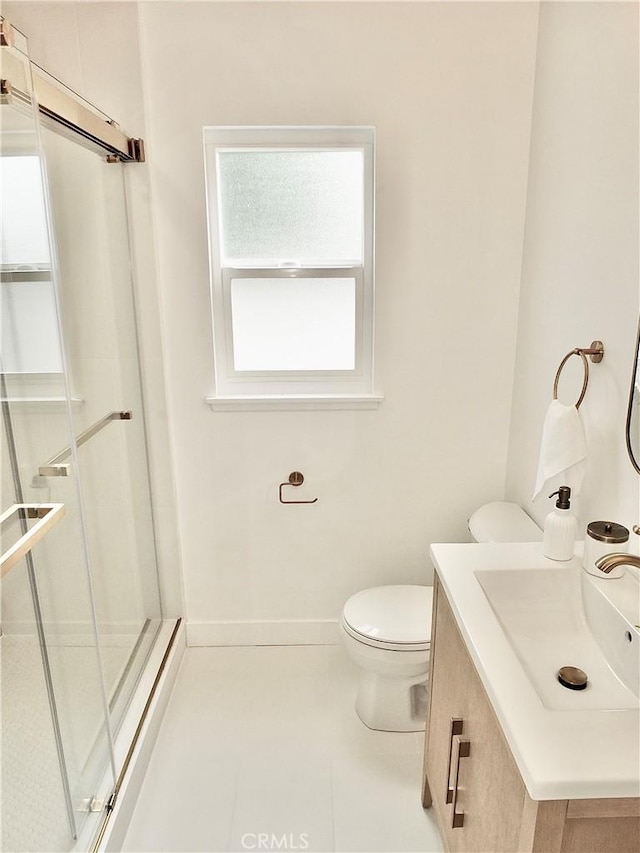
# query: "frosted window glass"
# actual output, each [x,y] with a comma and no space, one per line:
[293,323]
[304,207]
[29,328]
[22,214]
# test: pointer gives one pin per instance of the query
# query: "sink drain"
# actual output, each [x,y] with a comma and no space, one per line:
[572,677]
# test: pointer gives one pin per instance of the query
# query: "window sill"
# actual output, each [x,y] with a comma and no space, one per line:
[295,403]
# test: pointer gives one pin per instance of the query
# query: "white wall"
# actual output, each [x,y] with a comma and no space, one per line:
[449,89]
[580,267]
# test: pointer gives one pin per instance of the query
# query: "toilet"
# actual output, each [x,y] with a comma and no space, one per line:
[386,631]
[501,521]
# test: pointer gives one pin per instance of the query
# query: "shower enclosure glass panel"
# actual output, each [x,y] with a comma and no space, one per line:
[56,747]
[29,744]
[89,217]
[81,611]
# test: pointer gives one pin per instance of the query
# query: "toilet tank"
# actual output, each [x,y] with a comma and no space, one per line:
[502,521]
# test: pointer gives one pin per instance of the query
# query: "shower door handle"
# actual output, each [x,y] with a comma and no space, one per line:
[47,515]
[55,467]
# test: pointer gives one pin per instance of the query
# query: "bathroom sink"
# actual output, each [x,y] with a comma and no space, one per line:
[555,617]
[522,617]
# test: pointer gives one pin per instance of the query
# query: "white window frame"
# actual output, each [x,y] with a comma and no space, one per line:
[310,389]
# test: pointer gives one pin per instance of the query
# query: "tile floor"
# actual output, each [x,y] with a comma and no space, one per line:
[261,749]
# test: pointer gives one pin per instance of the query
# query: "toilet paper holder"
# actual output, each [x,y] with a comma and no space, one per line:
[296,478]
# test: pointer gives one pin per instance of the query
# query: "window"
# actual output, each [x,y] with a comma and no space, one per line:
[291,249]
[30,354]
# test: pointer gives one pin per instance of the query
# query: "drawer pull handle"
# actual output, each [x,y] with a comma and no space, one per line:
[463,748]
[455,729]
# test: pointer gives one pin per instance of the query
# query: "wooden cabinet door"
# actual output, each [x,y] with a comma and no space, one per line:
[491,790]
[448,701]
[490,793]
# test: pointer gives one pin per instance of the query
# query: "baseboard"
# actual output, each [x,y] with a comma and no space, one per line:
[292,632]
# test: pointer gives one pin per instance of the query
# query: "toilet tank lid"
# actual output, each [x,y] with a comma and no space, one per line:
[398,613]
[502,521]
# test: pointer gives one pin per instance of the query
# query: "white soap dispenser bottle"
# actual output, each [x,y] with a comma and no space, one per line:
[560,528]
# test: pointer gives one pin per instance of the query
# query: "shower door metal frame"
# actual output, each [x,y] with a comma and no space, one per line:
[64,109]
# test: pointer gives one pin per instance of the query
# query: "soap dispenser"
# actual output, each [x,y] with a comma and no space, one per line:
[560,528]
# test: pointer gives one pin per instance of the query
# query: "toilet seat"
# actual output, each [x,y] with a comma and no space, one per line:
[396,617]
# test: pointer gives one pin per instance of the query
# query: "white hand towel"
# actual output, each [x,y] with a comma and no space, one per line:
[563,446]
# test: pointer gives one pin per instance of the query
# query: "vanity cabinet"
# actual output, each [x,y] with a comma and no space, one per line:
[471,779]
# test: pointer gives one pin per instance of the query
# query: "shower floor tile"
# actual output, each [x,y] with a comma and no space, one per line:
[34,810]
[260,748]
[29,757]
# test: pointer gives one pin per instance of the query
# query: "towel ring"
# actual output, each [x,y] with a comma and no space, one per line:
[595,352]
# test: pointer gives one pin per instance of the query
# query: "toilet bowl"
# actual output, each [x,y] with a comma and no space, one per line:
[386,631]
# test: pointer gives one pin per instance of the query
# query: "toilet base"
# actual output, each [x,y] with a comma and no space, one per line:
[391,694]
[389,704]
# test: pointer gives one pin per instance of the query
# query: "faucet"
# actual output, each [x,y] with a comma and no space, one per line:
[610,562]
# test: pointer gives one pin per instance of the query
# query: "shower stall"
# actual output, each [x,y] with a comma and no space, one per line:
[80,603]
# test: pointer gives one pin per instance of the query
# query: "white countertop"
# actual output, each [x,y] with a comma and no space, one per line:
[561,754]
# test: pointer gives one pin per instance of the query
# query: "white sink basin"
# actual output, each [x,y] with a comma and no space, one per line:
[564,617]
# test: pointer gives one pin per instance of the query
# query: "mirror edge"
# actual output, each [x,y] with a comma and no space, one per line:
[634,373]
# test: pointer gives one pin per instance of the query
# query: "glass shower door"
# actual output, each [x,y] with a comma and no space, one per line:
[73,436]
[89,215]
[57,758]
